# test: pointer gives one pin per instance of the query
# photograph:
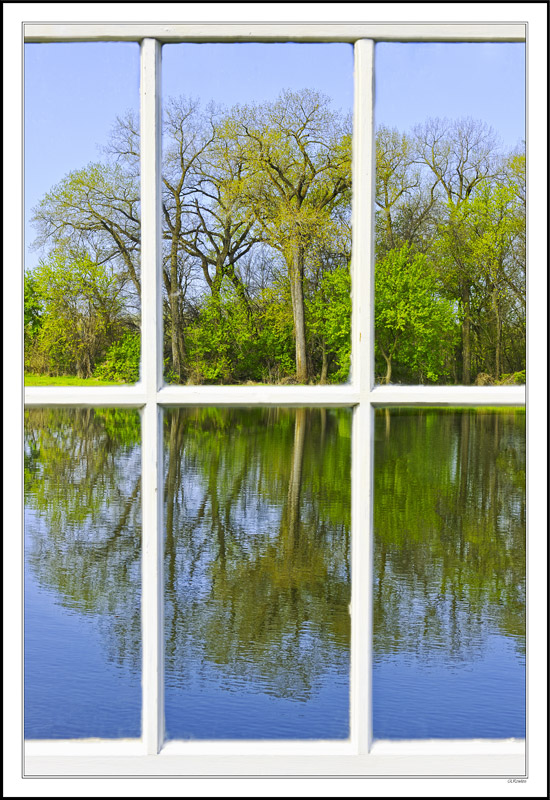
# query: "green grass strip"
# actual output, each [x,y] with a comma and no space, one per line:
[66,380]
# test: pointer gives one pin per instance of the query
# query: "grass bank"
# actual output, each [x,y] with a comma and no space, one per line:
[66,380]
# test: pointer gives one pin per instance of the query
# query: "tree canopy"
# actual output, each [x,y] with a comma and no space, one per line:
[257,249]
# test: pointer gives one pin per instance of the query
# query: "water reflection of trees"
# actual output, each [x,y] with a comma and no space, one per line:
[449,532]
[83,483]
[257,516]
[257,546]
[257,526]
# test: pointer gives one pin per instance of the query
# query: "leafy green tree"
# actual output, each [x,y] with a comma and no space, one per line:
[221,345]
[484,238]
[95,209]
[414,325]
[205,232]
[276,337]
[491,220]
[297,153]
[82,313]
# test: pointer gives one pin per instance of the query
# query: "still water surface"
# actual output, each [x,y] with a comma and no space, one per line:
[82,573]
[257,573]
[257,565]
[449,574]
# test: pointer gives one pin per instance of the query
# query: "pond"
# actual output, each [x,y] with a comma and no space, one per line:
[449,574]
[257,573]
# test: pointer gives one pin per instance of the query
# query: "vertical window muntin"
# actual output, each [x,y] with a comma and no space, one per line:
[360,394]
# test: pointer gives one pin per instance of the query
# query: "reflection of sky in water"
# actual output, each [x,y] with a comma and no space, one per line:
[257,610]
[484,697]
[252,650]
[449,580]
[82,578]
[72,689]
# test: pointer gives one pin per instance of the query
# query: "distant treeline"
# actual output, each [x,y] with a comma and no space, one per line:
[257,250]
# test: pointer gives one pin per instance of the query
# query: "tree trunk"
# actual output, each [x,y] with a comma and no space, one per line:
[498,335]
[389,228]
[297,293]
[174,301]
[324,365]
[387,359]
[177,364]
[466,336]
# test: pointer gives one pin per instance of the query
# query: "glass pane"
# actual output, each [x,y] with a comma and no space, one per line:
[450,214]
[256,198]
[82,216]
[449,576]
[257,573]
[82,573]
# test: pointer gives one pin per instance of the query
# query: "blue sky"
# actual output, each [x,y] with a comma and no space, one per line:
[73,92]
[483,81]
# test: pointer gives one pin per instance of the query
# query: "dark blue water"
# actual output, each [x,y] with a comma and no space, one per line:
[449,589]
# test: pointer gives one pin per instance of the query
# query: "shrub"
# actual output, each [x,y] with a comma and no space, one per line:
[511,378]
[121,360]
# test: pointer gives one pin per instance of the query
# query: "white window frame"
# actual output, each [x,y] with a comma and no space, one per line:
[359,756]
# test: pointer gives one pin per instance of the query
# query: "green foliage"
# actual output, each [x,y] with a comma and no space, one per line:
[276,339]
[220,342]
[415,326]
[226,344]
[329,321]
[121,361]
[81,314]
[511,378]
[257,243]
[32,306]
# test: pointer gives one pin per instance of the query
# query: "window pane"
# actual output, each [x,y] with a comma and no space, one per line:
[257,573]
[82,213]
[256,198]
[449,575]
[82,573]
[450,214]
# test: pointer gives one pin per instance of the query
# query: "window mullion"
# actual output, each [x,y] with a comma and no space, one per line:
[362,381]
[362,266]
[151,377]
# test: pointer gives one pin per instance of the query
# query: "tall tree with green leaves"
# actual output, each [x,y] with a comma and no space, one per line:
[297,153]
